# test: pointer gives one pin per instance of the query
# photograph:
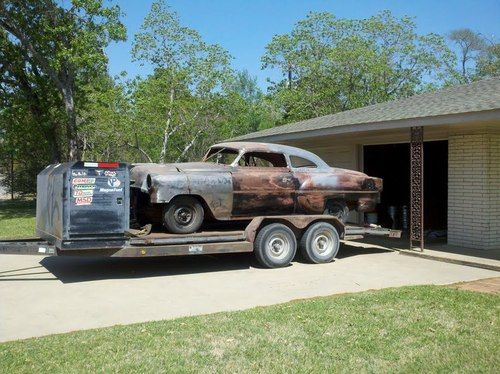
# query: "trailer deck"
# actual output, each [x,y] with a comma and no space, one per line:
[156,244]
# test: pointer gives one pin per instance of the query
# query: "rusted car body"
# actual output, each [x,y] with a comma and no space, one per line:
[242,180]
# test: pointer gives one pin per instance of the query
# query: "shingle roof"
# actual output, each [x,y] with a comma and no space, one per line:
[479,96]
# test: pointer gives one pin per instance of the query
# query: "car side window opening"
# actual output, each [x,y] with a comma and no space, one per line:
[223,156]
[263,160]
[300,162]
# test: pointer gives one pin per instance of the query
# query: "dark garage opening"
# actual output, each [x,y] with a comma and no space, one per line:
[392,163]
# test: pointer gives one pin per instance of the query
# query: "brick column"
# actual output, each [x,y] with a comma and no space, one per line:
[474,190]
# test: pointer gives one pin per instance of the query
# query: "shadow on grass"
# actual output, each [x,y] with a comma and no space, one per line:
[17,209]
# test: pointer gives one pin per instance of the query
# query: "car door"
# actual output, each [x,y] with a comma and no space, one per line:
[262,185]
[312,185]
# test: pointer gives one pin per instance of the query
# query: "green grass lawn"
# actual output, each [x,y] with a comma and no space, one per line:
[410,329]
[17,218]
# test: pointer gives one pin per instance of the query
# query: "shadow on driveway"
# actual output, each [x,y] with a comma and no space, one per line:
[86,269]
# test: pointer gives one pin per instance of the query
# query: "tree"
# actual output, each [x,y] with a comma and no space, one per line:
[246,108]
[330,64]
[189,77]
[104,120]
[24,86]
[488,62]
[64,45]
[470,44]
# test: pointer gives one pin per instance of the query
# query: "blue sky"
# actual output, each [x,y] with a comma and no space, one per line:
[245,27]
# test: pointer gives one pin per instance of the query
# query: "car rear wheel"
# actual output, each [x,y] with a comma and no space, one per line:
[275,245]
[337,209]
[183,215]
[320,243]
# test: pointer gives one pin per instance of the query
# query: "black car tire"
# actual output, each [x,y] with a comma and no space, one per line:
[337,209]
[183,215]
[320,243]
[275,245]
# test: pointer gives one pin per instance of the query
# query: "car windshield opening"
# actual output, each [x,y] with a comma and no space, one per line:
[223,156]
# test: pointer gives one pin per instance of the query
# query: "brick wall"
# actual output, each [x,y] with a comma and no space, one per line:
[474,190]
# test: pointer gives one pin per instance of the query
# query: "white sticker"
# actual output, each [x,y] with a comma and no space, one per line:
[84,187]
[106,190]
[80,193]
[83,180]
[114,182]
[42,249]
[90,164]
[195,249]
[83,200]
[79,173]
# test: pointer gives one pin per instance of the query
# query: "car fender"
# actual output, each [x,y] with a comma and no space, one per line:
[216,189]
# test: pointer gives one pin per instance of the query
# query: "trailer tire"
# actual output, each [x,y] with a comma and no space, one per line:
[275,245]
[183,215]
[320,243]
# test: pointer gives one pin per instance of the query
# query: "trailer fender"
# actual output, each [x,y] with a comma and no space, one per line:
[298,223]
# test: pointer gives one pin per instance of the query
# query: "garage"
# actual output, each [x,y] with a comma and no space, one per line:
[391,162]
[438,153]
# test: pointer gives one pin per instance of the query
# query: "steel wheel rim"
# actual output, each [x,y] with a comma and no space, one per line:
[183,215]
[278,246]
[323,243]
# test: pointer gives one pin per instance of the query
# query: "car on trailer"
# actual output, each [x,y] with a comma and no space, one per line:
[243,180]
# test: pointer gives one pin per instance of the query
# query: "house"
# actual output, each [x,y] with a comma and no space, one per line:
[461,156]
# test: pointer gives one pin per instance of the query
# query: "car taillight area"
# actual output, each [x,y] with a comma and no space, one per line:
[373,184]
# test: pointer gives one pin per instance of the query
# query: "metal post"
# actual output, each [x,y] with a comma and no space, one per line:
[12,176]
[417,187]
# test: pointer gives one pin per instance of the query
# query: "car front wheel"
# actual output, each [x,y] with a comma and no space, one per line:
[183,215]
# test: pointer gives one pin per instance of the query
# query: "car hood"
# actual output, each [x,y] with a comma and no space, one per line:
[139,172]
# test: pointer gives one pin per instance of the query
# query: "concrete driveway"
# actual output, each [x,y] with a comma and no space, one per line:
[40,296]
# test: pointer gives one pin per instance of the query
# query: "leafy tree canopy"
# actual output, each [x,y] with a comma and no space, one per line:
[331,64]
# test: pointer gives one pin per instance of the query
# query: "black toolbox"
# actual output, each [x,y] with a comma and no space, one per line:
[83,204]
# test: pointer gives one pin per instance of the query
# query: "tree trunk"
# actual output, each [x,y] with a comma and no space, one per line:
[189,145]
[464,71]
[71,132]
[290,77]
[167,126]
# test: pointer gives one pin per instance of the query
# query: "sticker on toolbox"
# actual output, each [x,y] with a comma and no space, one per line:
[84,187]
[79,173]
[114,182]
[110,173]
[81,193]
[83,181]
[107,190]
[83,200]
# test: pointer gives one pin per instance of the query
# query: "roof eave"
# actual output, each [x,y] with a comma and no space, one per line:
[448,119]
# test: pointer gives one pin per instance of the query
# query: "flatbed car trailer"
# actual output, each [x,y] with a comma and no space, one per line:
[83,209]
[159,244]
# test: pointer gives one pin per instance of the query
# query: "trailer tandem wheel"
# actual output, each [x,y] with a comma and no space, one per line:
[320,243]
[275,245]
